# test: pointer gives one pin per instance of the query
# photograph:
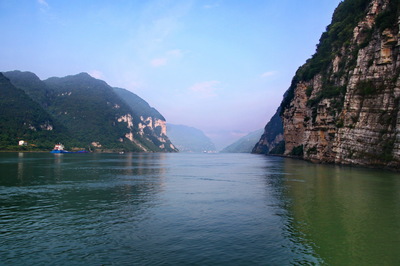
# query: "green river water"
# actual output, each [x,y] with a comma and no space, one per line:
[194,209]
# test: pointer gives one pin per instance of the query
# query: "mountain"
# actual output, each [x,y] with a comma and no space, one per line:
[244,144]
[189,139]
[24,119]
[138,105]
[93,113]
[31,85]
[271,141]
[343,104]
[152,123]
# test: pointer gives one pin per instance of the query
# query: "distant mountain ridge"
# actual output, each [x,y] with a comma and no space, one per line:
[244,144]
[94,114]
[190,139]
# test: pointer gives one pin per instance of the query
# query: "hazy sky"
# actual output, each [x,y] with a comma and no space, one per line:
[218,65]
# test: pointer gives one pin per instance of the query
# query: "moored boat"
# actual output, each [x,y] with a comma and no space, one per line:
[59,148]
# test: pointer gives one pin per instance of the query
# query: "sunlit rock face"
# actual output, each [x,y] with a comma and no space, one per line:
[127,119]
[162,125]
[151,125]
[344,107]
[156,128]
[47,126]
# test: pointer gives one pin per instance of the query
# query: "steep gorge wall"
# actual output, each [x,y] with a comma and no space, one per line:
[343,105]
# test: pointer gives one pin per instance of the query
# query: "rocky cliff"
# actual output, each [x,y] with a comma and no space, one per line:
[343,104]
[151,123]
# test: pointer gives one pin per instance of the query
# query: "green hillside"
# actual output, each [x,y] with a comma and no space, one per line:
[31,85]
[89,110]
[24,119]
[137,104]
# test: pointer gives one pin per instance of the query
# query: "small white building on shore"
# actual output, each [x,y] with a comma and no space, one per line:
[22,143]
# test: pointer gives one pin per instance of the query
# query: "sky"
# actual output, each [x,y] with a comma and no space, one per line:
[221,66]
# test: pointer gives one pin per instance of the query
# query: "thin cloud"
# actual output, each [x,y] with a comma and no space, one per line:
[268,74]
[175,53]
[164,60]
[96,74]
[158,20]
[44,6]
[43,3]
[205,89]
[157,62]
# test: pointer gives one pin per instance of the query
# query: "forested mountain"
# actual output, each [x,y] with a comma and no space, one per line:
[189,139]
[93,114]
[244,144]
[138,105]
[91,110]
[343,105]
[24,119]
[32,85]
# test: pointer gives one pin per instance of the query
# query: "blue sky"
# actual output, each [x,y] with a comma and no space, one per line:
[218,65]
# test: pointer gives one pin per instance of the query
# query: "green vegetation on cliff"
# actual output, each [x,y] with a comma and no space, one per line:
[333,42]
[343,103]
[388,18]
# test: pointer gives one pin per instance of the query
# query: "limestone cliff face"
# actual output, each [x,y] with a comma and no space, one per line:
[152,125]
[343,105]
[157,129]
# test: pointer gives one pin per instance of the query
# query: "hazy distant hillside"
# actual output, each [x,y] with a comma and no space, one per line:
[23,119]
[94,114]
[244,144]
[189,139]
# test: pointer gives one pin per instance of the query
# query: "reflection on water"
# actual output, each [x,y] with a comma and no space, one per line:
[349,216]
[61,208]
[20,171]
[202,209]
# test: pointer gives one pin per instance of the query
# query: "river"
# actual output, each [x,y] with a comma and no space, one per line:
[194,209]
